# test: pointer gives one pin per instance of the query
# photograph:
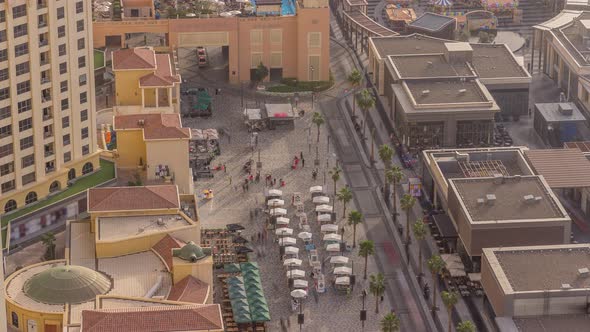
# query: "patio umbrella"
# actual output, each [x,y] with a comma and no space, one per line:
[272,192]
[239,239]
[304,235]
[242,249]
[323,208]
[232,268]
[296,274]
[275,202]
[278,212]
[321,200]
[325,217]
[237,294]
[234,227]
[316,189]
[236,287]
[343,281]
[287,241]
[249,266]
[332,237]
[284,231]
[333,247]
[329,228]
[282,221]
[338,260]
[343,270]
[457,273]
[234,280]
[291,250]
[292,262]
[298,293]
[300,283]
[261,316]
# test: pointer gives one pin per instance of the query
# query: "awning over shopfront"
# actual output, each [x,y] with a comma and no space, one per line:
[445,226]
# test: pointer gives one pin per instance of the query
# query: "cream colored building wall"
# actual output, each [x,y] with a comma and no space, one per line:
[174,154]
[127,91]
[130,148]
[202,269]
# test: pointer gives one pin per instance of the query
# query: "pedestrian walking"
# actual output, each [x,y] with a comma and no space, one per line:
[257,176]
[302,162]
[259,236]
[274,181]
[314,174]
[301,154]
[243,187]
[230,180]
[224,169]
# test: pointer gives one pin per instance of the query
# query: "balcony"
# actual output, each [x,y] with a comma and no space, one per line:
[47,134]
[41,4]
[49,151]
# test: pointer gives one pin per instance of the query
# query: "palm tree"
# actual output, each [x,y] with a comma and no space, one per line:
[466,326]
[354,218]
[345,196]
[390,323]
[365,101]
[367,248]
[394,176]
[354,78]
[450,299]
[335,173]
[385,154]
[407,202]
[419,229]
[48,240]
[377,288]
[436,265]
[318,119]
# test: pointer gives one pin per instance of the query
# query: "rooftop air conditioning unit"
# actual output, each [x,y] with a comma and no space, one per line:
[528,198]
[461,156]
[491,199]
[498,178]
[538,199]
[583,272]
[425,92]
[480,201]
[160,222]
[462,91]
[429,64]
[566,286]
[565,109]
[141,123]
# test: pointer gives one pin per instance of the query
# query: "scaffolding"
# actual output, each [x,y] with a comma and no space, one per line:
[483,168]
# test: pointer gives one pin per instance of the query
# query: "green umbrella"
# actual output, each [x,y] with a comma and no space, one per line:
[249,266]
[256,302]
[234,280]
[260,316]
[242,318]
[236,293]
[240,305]
[232,268]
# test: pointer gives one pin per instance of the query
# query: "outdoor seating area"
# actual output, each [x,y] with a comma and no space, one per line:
[227,246]
[442,230]
[457,280]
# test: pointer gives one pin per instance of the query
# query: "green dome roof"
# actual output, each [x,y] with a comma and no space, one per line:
[66,284]
[191,252]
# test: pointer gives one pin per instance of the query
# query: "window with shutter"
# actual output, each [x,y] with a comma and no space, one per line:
[314,39]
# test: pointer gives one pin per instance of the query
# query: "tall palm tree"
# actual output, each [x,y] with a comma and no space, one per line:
[345,196]
[318,119]
[48,240]
[354,78]
[377,288]
[436,265]
[390,323]
[394,176]
[365,101]
[407,202]
[450,299]
[354,218]
[367,248]
[335,173]
[420,231]
[385,154]
[466,326]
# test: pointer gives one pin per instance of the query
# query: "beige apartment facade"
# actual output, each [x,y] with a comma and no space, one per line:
[47,98]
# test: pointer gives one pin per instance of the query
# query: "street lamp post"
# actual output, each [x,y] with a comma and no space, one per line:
[242,89]
[373,145]
[363,311]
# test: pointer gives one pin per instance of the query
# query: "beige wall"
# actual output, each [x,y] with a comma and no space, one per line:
[202,269]
[127,91]
[493,289]
[159,152]
[130,147]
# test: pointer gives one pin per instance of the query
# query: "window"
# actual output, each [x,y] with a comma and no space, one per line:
[79,7]
[276,36]
[5,131]
[22,68]
[84,133]
[7,168]
[32,196]
[24,106]
[85,151]
[81,62]
[27,161]
[6,187]
[54,186]
[25,124]
[2,16]
[87,168]
[6,150]
[276,60]
[28,178]
[63,68]
[62,49]
[83,97]
[61,31]
[21,49]
[20,30]
[82,80]
[314,39]
[65,104]
[63,86]
[66,140]
[26,142]
[4,74]
[255,37]
[3,55]
[68,157]
[256,60]
[23,87]
[4,93]
[3,36]
[19,11]
[5,112]
[81,44]
[84,115]
[80,25]
[65,122]
[60,13]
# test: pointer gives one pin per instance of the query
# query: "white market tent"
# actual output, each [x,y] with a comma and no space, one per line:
[316,189]
[275,202]
[284,231]
[296,274]
[287,241]
[327,228]
[343,270]
[324,217]
[323,208]
[278,212]
[291,250]
[334,247]
[343,281]
[321,200]
[300,283]
[282,221]
[298,293]
[332,237]
[274,192]
[338,260]
[292,262]
[304,235]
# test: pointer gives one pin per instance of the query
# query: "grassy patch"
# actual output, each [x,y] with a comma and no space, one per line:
[98,59]
[292,85]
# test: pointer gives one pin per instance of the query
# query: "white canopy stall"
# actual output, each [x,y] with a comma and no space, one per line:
[329,228]
[287,241]
[343,270]
[338,260]
[296,274]
[284,231]
[321,200]
[324,208]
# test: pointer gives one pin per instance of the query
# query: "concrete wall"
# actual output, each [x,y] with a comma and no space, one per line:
[127,91]
[159,152]
[131,147]
[493,290]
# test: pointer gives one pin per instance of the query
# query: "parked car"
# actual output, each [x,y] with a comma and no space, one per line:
[202,57]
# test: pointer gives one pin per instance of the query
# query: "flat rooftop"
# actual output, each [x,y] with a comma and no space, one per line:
[553,323]
[544,268]
[432,22]
[446,92]
[509,203]
[430,65]
[495,61]
[114,228]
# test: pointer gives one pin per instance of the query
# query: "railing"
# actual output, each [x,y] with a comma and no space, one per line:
[49,153]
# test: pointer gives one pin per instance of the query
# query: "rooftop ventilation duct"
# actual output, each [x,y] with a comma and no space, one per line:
[462,91]
[425,92]
[498,178]
[528,199]
[583,272]
[565,109]
[461,156]
[490,199]
[566,286]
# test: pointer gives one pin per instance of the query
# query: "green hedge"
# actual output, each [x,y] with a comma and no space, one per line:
[293,85]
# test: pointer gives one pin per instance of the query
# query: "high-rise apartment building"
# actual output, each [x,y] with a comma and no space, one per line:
[47,104]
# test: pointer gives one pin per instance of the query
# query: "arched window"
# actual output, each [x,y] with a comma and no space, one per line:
[87,168]
[72,174]
[31,198]
[10,205]
[54,186]
[14,319]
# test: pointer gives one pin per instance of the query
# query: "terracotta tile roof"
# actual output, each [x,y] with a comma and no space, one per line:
[164,249]
[137,3]
[134,58]
[155,126]
[133,198]
[189,289]
[153,319]
[163,75]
